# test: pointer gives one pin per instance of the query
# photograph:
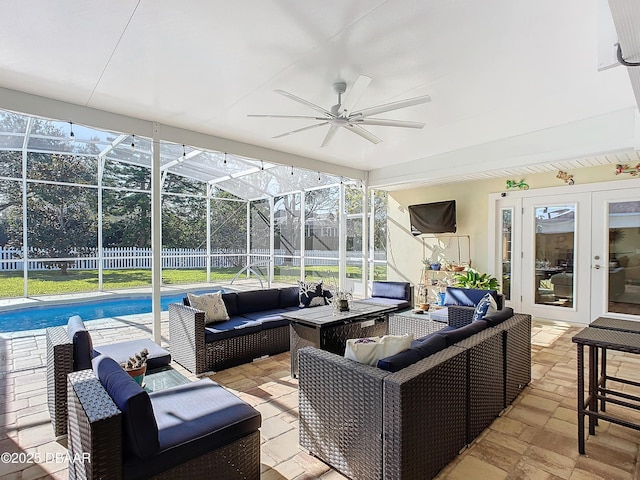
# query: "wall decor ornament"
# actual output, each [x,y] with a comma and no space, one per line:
[514,184]
[625,168]
[568,179]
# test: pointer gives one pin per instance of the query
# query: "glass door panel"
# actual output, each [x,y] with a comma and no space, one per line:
[623,292]
[554,246]
[507,251]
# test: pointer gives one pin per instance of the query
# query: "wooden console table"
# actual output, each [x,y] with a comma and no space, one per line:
[599,340]
[325,328]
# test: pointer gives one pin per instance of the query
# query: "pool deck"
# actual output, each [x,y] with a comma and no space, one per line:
[536,438]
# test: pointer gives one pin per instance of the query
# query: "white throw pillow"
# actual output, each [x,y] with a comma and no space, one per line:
[212,305]
[370,350]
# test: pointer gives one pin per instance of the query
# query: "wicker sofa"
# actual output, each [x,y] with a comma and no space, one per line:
[255,329]
[369,423]
[196,430]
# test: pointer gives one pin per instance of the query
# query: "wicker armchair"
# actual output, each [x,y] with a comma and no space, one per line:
[70,349]
[198,430]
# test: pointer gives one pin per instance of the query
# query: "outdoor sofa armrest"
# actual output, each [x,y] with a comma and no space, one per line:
[459,316]
[340,404]
[59,365]
[186,337]
[95,429]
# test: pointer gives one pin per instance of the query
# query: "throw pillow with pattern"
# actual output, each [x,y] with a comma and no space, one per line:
[486,305]
[311,294]
[212,305]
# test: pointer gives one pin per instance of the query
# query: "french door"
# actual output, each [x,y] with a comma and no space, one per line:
[615,279]
[555,259]
[570,254]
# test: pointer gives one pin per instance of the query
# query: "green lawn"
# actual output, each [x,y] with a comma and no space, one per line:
[51,282]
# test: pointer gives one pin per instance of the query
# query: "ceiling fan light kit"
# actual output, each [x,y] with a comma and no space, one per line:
[342,115]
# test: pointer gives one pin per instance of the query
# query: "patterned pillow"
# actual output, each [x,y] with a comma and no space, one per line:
[370,350]
[311,294]
[212,305]
[485,306]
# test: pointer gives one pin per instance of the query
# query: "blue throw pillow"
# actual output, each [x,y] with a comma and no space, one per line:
[486,305]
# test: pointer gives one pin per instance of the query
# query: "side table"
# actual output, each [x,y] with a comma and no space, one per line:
[599,340]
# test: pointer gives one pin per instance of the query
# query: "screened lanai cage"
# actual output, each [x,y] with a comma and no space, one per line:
[76,210]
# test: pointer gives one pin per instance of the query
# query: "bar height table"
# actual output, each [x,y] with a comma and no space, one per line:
[599,340]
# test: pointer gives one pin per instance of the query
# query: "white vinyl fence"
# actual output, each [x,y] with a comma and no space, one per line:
[118,258]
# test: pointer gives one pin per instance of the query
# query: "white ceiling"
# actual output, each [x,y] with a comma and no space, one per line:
[513,84]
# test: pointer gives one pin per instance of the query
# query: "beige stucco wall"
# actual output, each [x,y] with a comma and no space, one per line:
[405,252]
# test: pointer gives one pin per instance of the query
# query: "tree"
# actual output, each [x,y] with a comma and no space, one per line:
[62,219]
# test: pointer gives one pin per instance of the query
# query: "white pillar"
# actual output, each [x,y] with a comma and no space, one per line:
[272,241]
[156,236]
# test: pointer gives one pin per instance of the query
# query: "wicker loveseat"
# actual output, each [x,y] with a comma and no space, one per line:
[196,430]
[369,423]
[255,328]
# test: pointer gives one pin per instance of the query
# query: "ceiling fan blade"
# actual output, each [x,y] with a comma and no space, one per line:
[329,136]
[309,127]
[363,133]
[267,115]
[350,100]
[386,123]
[317,108]
[387,107]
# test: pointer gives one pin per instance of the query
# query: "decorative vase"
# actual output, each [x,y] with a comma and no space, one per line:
[441,299]
[343,305]
[435,266]
[138,373]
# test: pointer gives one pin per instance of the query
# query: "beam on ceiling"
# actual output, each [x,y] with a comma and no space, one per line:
[55,109]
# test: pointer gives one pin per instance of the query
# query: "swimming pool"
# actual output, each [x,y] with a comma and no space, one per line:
[41,316]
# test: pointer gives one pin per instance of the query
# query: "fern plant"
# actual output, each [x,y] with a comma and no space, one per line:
[474,279]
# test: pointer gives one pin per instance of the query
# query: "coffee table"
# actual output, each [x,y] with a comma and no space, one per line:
[325,328]
[407,321]
[163,378]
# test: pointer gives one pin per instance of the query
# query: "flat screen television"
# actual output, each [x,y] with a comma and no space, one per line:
[436,217]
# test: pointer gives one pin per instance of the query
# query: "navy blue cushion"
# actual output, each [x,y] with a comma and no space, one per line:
[430,345]
[498,317]
[439,315]
[231,302]
[233,327]
[121,351]
[466,297]
[268,318]
[481,308]
[194,419]
[397,290]
[82,344]
[458,334]
[399,361]
[139,426]
[289,297]
[420,349]
[257,300]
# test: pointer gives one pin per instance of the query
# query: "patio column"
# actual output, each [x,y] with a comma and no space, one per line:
[156,236]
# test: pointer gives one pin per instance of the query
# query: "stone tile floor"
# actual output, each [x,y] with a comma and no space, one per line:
[536,438]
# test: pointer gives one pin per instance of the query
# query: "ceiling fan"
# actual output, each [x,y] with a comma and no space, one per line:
[343,115]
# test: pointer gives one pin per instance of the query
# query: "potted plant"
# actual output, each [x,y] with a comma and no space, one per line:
[136,366]
[342,299]
[474,279]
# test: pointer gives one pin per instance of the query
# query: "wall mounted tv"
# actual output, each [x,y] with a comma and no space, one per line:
[437,217]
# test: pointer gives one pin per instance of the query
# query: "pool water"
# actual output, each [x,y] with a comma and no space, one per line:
[34,317]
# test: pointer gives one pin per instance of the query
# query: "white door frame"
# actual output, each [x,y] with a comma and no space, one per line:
[500,200]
